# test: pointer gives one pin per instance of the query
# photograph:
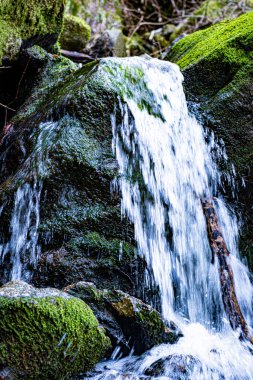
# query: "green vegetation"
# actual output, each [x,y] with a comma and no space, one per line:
[24,20]
[229,42]
[49,337]
[75,33]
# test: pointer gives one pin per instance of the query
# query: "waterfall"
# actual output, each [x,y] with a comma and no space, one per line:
[22,247]
[167,165]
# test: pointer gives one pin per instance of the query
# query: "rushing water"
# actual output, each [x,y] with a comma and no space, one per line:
[167,166]
[22,247]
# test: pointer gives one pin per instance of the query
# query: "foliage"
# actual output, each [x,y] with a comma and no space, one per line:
[20,21]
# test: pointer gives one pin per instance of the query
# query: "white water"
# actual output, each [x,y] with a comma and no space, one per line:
[22,246]
[166,168]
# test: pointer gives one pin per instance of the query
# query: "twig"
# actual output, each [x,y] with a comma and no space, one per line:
[6,107]
[21,78]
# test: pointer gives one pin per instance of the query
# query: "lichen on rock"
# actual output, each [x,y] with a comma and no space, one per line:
[46,333]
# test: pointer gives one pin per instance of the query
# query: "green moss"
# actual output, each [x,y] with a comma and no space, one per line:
[229,41]
[109,249]
[23,20]
[129,82]
[49,337]
[75,34]
[124,307]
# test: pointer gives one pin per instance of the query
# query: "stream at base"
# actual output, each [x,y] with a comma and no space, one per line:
[168,164]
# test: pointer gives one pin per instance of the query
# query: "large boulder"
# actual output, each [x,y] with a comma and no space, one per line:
[46,333]
[58,150]
[217,64]
[25,23]
[128,321]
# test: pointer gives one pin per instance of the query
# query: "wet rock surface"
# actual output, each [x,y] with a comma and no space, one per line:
[176,367]
[81,231]
[128,321]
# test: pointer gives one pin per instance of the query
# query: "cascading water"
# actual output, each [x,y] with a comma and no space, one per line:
[166,168]
[22,246]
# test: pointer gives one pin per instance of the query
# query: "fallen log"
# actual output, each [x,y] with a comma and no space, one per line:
[219,249]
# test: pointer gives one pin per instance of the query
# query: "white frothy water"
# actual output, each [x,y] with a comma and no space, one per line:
[22,246]
[166,169]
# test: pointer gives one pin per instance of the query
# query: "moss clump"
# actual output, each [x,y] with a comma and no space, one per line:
[229,42]
[30,21]
[75,34]
[49,337]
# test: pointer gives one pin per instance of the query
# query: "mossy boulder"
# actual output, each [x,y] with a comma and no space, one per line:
[25,23]
[129,322]
[217,64]
[47,334]
[75,34]
[81,232]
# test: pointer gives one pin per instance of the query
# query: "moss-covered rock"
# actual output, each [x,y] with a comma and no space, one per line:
[217,64]
[233,50]
[40,72]
[47,334]
[25,23]
[75,34]
[66,130]
[129,322]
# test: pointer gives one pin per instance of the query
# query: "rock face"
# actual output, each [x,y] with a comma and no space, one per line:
[26,23]
[46,333]
[75,33]
[66,130]
[128,321]
[218,78]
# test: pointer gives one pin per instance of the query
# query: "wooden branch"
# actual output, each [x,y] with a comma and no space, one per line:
[76,56]
[219,249]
